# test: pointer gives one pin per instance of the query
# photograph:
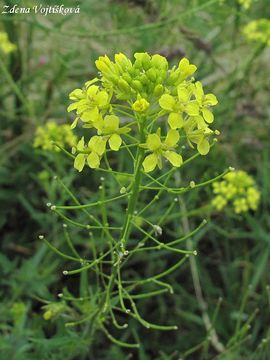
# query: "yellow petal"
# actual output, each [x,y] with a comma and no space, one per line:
[93,160]
[153,142]
[72,106]
[150,162]
[97,144]
[167,102]
[111,123]
[90,115]
[74,124]
[172,138]
[203,146]
[175,120]
[80,145]
[210,99]
[79,162]
[102,98]
[174,158]
[92,91]
[186,68]
[115,142]
[183,94]
[198,91]
[208,116]
[192,108]
[77,94]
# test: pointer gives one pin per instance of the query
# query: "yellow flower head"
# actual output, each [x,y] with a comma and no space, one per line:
[161,149]
[140,105]
[238,188]
[88,103]
[245,3]
[258,30]
[5,45]
[51,133]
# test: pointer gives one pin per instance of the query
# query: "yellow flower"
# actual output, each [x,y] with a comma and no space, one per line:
[197,136]
[245,3]
[240,205]
[88,103]
[239,188]
[90,153]
[204,102]
[110,131]
[219,202]
[161,149]
[5,45]
[140,105]
[53,132]
[258,30]
[184,70]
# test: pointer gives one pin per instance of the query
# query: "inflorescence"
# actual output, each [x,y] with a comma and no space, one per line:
[168,103]
[52,133]
[237,188]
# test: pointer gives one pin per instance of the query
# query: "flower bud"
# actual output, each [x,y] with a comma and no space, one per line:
[123,85]
[174,76]
[137,85]
[159,62]
[127,77]
[158,90]
[151,74]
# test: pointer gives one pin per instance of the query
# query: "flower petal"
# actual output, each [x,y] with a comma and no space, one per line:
[186,68]
[172,138]
[153,142]
[115,142]
[72,106]
[102,98]
[80,145]
[183,94]
[175,120]
[192,108]
[208,116]
[92,91]
[150,162]
[111,123]
[203,146]
[167,102]
[77,94]
[74,124]
[90,115]
[93,160]
[198,91]
[210,99]
[97,144]
[79,162]
[174,158]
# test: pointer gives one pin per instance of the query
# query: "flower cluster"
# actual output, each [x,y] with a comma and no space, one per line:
[5,45]
[258,30]
[161,100]
[237,188]
[246,4]
[51,133]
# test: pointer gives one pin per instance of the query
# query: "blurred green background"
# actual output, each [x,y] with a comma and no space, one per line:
[56,54]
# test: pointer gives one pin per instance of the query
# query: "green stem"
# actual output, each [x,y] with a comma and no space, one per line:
[134,192]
